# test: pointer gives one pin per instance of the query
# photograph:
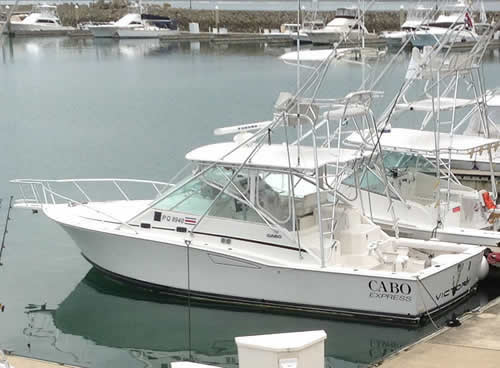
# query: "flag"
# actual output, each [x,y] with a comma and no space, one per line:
[468,21]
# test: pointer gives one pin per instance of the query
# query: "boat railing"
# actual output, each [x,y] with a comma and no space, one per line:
[37,193]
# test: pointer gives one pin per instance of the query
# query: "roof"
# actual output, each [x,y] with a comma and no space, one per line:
[420,141]
[493,101]
[272,156]
[445,104]
[284,342]
[323,54]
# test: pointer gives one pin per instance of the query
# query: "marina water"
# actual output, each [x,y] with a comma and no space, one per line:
[73,108]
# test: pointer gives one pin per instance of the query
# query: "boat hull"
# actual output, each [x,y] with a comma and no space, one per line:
[220,277]
[421,39]
[103,31]
[329,38]
[143,33]
[15,27]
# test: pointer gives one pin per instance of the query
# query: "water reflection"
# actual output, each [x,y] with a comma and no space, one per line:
[35,47]
[152,328]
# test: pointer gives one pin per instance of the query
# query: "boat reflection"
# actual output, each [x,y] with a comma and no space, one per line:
[153,328]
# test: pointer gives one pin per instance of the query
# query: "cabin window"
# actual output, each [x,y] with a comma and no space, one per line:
[196,196]
[273,195]
[45,21]
[401,161]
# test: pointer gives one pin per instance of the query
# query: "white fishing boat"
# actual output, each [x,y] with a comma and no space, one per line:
[416,18]
[341,54]
[465,215]
[135,25]
[346,21]
[262,223]
[152,26]
[130,20]
[430,202]
[455,24]
[42,18]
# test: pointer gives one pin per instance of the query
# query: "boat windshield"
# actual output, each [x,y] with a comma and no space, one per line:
[251,196]
[395,164]
[369,182]
[404,161]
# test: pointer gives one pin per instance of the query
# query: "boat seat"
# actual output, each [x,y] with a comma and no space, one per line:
[356,238]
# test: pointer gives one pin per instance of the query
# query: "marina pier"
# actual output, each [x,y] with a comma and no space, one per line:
[474,343]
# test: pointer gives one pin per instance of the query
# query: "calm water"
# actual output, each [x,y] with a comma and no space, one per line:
[82,108]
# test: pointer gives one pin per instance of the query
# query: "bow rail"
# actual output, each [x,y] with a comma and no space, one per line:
[37,193]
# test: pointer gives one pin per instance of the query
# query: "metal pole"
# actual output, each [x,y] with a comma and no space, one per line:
[318,198]
[5,229]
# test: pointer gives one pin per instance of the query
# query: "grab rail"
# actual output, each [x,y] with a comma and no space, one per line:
[48,196]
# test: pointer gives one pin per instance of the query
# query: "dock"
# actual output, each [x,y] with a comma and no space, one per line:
[23,362]
[475,343]
[229,37]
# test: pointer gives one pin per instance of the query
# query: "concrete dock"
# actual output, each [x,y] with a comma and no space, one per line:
[22,362]
[476,343]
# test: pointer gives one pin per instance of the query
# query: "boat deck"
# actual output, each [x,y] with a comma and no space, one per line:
[473,344]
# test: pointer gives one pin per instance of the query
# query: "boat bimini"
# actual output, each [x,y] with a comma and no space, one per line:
[257,222]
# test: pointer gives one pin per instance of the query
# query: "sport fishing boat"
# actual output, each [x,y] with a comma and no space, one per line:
[130,20]
[416,18]
[430,201]
[454,25]
[346,21]
[462,214]
[262,223]
[42,18]
[152,26]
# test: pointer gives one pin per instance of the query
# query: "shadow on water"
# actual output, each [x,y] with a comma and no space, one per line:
[153,328]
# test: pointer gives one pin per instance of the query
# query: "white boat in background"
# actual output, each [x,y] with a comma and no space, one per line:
[341,54]
[430,201]
[135,25]
[152,26]
[455,24]
[109,30]
[346,23]
[261,223]
[416,17]
[464,215]
[42,18]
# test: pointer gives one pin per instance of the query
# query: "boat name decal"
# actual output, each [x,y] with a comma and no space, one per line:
[175,219]
[390,290]
[453,290]
[179,220]
[275,236]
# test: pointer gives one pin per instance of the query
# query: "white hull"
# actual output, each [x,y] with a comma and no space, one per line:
[418,222]
[102,31]
[431,37]
[24,27]
[220,275]
[143,33]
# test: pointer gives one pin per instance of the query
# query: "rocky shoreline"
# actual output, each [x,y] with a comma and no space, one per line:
[234,21]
